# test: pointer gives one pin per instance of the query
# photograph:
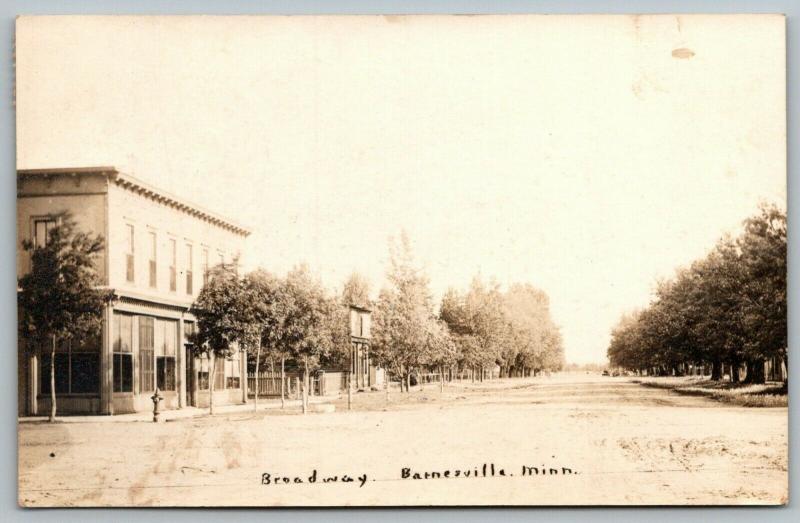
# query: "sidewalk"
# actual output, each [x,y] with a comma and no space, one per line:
[185,412]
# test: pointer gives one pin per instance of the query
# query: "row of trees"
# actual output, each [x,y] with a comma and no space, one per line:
[294,319]
[473,330]
[728,308]
[263,315]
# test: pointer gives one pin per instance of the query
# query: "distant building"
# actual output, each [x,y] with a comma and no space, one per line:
[158,252]
[363,373]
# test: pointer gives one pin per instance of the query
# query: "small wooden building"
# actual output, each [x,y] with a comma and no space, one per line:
[363,374]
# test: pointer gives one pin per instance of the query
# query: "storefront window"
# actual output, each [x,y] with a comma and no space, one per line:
[233,371]
[123,356]
[77,367]
[165,355]
[146,351]
[202,373]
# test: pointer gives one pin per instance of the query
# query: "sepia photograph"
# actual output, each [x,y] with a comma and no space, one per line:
[401,260]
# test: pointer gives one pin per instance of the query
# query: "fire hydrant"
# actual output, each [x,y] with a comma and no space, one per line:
[156,400]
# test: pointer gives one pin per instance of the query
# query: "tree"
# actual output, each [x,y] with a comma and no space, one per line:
[727,308]
[762,249]
[60,298]
[264,295]
[225,319]
[478,322]
[401,315]
[533,340]
[441,351]
[306,332]
[356,291]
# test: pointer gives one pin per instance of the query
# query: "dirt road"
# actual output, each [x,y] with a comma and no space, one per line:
[569,439]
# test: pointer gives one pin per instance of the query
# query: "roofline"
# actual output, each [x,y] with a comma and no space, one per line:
[131,182]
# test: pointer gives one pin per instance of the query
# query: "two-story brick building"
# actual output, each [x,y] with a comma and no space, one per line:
[159,249]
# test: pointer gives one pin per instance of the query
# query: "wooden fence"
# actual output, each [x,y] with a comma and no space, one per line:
[269,384]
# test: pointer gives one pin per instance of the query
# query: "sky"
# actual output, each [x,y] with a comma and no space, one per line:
[589,156]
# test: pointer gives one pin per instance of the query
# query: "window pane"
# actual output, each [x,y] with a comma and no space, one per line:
[62,373]
[127,372]
[165,369]
[146,337]
[205,266]
[189,266]
[90,344]
[40,233]
[123,372]
[152,259]
[62,346]
[129,254]
[124,334]
[131,242]
[129,267]
[170,338]
[85,372]
[173,265]
[202,380]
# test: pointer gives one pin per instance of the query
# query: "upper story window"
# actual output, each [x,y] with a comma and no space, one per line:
[41,231]
[130,244]
[189,275]
[173,265]
[152,246]
[205,266]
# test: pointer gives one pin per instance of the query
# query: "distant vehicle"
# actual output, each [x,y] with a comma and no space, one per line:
[605,373]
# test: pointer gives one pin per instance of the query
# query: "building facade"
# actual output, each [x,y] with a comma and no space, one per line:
[363,373]
[158,252]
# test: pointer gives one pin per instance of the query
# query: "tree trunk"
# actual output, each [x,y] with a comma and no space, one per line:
[211,383]
[441,379]
[785,368]
[305,385]
[716,370]
[283,382]
[349,391]
[258,377]
[386,379]
[53,381]
[755,372]
[408,380]
[735,371]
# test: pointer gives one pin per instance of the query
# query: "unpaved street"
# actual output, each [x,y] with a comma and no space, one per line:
[586,440]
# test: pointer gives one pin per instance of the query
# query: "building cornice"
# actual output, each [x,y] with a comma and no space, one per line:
[133,184]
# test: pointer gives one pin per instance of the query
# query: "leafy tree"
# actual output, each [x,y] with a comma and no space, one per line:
[441,350]
[764,313]
[534,341]
[356,291]
[306,334]
[225,319]
[477,319]
[265,305]
[402,314]
[61,298]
